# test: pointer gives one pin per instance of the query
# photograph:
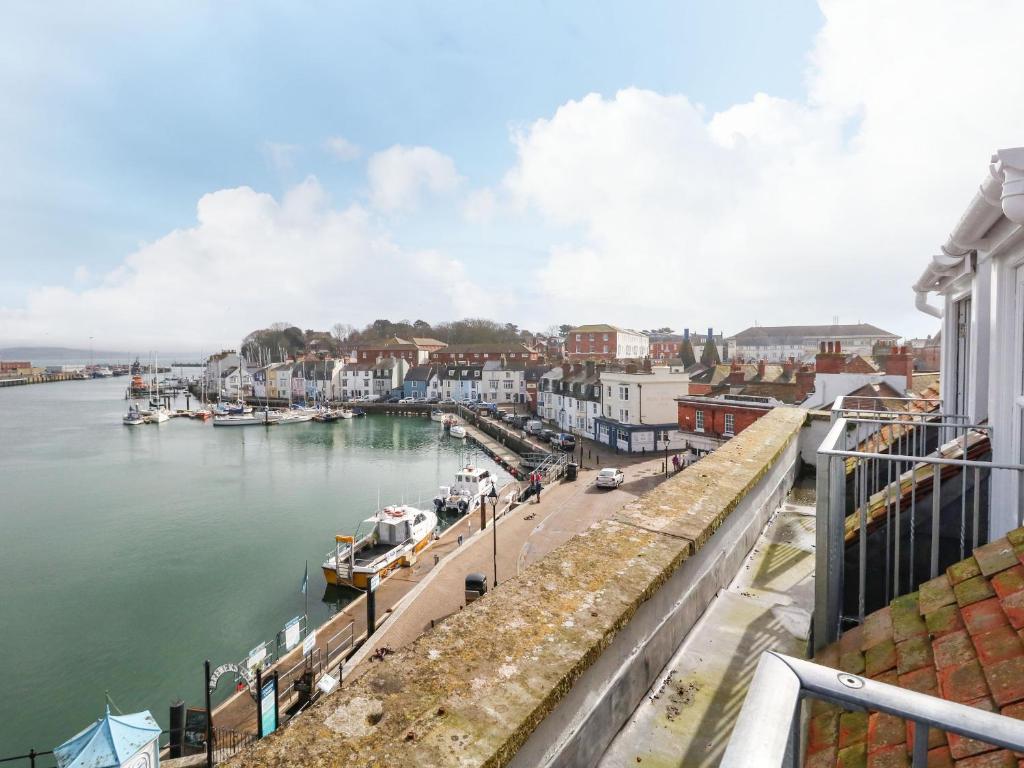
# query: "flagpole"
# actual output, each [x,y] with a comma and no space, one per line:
[305,594]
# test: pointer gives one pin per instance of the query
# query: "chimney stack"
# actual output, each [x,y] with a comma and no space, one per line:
[829,359]
[788,367]
[735,374]
[899,363]
[804,382]
[760,368]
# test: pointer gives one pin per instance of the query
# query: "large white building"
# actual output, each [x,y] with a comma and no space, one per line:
[978,274]
[638,409]
[778,343]
[503,382]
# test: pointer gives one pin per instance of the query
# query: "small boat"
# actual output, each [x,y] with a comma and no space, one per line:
[457,431]
[345,413]
[157,415]
[358,411]
[134,417]
[266,416]
[240,420]
[436,414]
[294,417]
[326,416]
[471,485]
[395,537]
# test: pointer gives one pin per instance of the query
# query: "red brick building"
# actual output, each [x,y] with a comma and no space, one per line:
[707,422]
[476,353]
[606,342]
[416,351]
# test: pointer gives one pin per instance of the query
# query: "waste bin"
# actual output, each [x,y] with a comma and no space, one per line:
[476,586]
[570,470]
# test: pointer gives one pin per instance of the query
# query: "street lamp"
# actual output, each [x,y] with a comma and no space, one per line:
[493,496]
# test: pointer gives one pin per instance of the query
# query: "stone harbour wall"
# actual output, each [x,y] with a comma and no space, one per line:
[473,690]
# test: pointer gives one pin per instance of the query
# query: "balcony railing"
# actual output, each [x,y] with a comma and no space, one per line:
[903,491]
[768,730]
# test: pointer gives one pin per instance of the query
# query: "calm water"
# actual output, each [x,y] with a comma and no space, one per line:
[130,554]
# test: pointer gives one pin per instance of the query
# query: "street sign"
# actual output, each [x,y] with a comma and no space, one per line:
[374,582]
[291,633]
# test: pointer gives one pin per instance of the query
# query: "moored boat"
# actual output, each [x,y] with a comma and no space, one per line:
[457,431]
[295,417]
[134,416]
[471,485]
[436,414]
[240,420]
[394,537]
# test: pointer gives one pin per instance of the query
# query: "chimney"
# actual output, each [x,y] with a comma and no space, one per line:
[590,367]
[760,368]
[787,368]
[686,334]
[735,374]
[828,360]
[630,367]
[804,382]
[899,363]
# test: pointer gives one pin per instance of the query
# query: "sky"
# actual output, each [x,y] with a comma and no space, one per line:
[175,175]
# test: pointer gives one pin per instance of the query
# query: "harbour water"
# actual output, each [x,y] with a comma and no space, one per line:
[130,554]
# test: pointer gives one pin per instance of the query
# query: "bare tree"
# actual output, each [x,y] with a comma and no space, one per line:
[341,331]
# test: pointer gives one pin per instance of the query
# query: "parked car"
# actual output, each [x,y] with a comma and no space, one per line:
[546,434]
[432,400]
[406,400]
[519,420]
[371,398]
[564,440]
[448,401]
[610,477]
[508,418]
[533,427]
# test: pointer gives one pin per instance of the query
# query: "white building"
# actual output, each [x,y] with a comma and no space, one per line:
[777,343]
[216,365]
[356,380]
[573,397]
[503,382]
[978,274]
[547,395]
[638,409]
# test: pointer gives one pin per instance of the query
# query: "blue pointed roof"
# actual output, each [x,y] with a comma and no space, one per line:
[108,742]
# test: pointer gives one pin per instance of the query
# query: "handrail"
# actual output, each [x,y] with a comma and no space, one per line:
[767,731]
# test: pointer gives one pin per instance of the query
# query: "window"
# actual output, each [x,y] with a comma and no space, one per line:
[606,337]
[609,391]
[508,384]
[579,336]
[623,415]
[730,422]
[623,393]
[700,421]
[961,355]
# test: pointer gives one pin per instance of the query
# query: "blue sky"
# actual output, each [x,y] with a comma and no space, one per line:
[121,116]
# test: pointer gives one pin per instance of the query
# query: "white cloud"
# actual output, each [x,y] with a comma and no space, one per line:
[247,261]
[480,206]
[399,176]
[342,148]
[780,210]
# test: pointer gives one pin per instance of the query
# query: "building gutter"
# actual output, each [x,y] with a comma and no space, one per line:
[1000,194]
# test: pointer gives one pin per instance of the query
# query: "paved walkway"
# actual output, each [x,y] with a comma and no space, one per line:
[523,536]
[687,716]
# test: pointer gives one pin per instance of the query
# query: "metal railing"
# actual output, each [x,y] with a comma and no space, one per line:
[768,730]
[901,495]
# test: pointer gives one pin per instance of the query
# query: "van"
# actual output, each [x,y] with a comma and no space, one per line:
[564,441]
[533,427]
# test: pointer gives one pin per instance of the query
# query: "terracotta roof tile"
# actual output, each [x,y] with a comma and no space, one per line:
[972,591]
[996,556]
[936,593]
[983,616]
[960,637]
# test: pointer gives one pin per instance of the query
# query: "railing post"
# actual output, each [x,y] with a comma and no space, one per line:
[936,513]
[757,738]
[829,542]
[920,756]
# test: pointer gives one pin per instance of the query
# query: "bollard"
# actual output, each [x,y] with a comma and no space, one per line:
[437,558]
[460,540]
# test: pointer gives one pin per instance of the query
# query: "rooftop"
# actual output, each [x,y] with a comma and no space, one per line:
[796,334]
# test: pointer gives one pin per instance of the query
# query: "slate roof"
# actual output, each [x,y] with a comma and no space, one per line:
[959,637]
[420,373]
[500,347]
[764,335]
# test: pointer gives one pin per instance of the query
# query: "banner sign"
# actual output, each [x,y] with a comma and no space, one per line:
[256,656]
[292,631]
[268,707]
[195,727]
[309,643]
[242,671]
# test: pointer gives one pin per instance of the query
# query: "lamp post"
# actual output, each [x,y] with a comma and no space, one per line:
[493,496]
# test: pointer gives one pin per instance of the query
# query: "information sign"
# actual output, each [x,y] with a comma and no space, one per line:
[374,582]
[291,633]
[268,707]
[309,643]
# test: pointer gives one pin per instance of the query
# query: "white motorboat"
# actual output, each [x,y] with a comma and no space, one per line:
[457,431]
[436,414]
[156,415]
[240,420]
[266,416]
[395,536]
[345,413]
[471,485]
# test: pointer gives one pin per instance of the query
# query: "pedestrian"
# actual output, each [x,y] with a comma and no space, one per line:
[538,490]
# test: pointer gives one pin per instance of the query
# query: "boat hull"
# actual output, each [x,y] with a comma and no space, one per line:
[361,578]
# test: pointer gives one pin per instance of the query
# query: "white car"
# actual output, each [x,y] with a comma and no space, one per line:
[407,400]
[610,477]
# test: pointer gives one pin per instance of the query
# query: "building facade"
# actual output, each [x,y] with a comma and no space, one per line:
[480,353]
[776,343]
[606,342]
[706,422]
[638,409]
[503,382]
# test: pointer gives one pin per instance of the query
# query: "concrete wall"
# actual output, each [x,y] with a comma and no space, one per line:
[575,639]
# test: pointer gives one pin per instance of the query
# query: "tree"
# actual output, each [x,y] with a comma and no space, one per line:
[421,325]
[341,331]
[563,330]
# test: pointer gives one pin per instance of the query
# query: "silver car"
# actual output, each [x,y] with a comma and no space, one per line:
[610,477]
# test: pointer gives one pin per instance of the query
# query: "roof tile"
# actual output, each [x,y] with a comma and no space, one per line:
[963,682]
[1016,537]
[944,620]
[921,680]
[1008,582]
[1001,759]
[965,569]
[880,658]
[825,758]
[1006,680]
[936,738]
[893,756]
[823,732]
[972,590]
[1000,644]
[906,618]
[995,556]
[984,616]
[913,654]
[853,728]
[852,757]
[952,649]
[877,627]
[1013,607]
[936,593]
[884,730]
[940,757]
